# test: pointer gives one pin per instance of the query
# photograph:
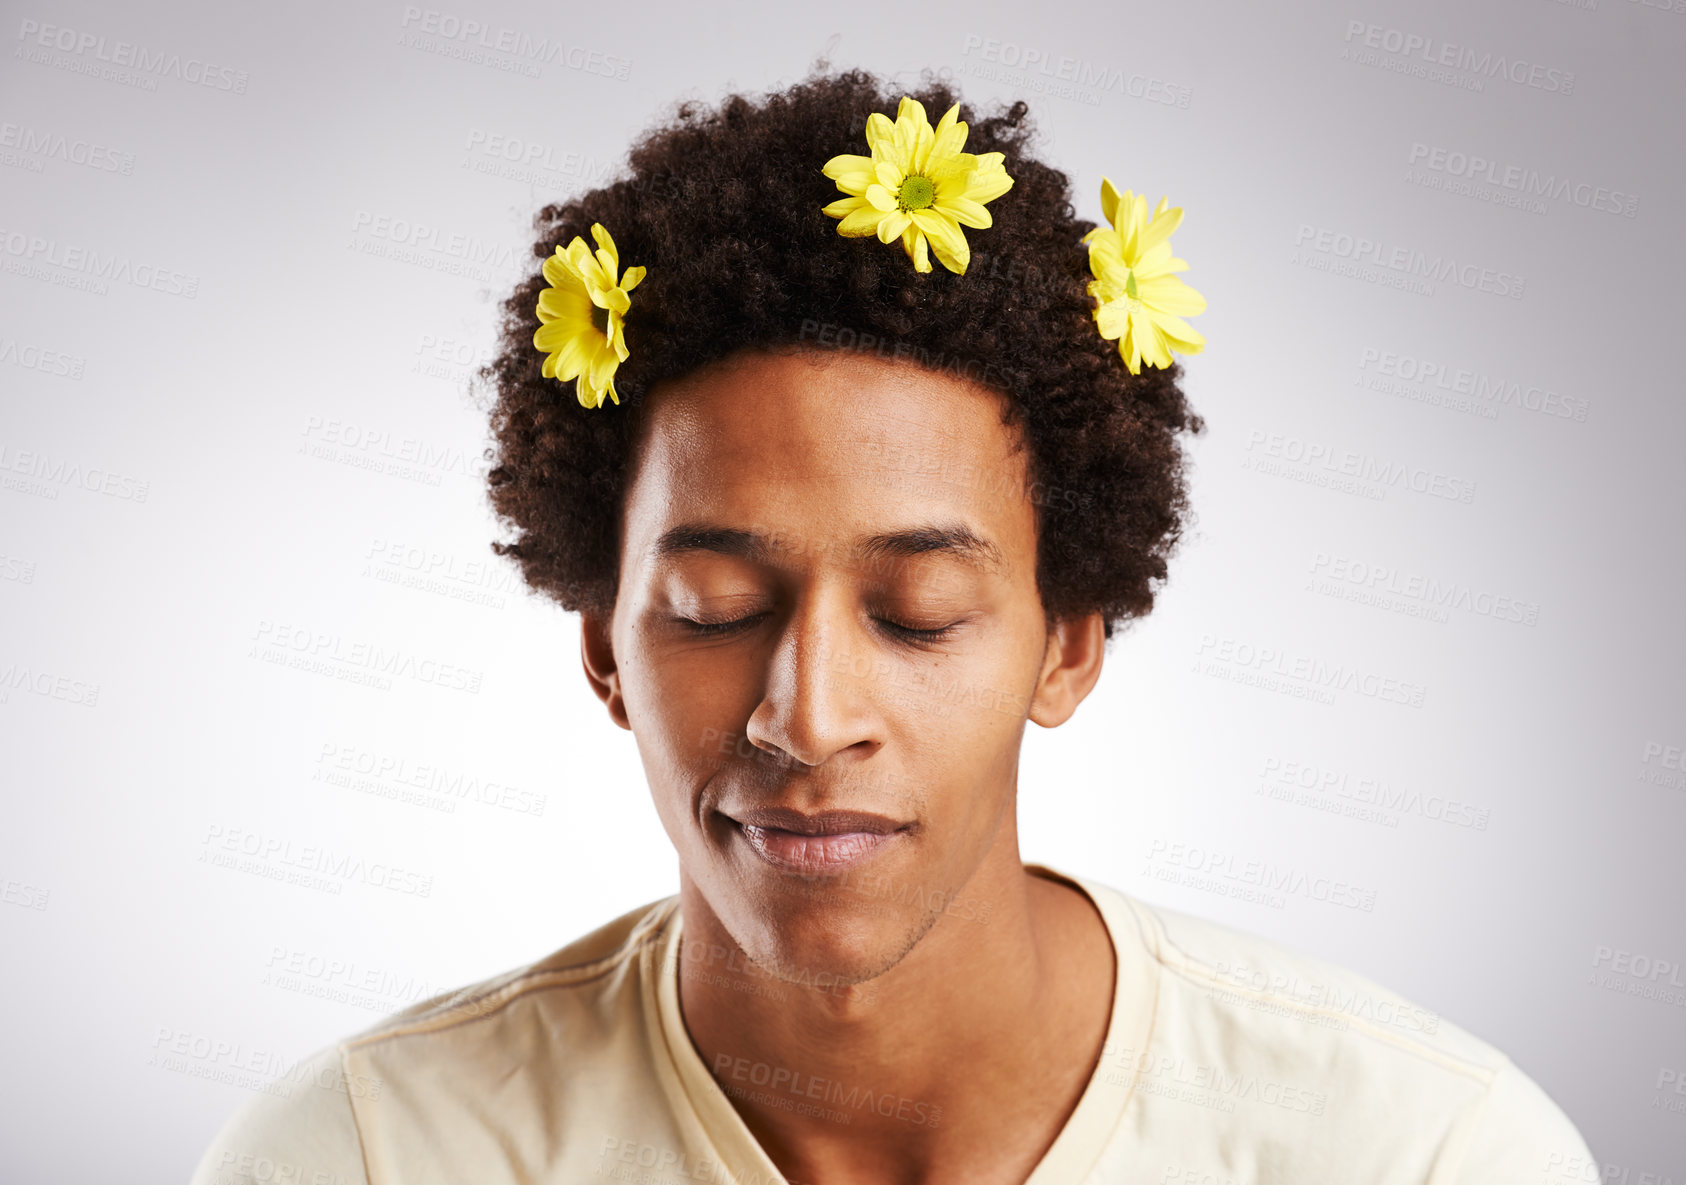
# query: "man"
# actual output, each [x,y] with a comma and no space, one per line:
[860,981]
[825,586]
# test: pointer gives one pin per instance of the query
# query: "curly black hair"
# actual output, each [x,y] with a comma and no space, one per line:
[723,205]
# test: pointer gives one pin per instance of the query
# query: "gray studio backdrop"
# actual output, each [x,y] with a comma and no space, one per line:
[285,748]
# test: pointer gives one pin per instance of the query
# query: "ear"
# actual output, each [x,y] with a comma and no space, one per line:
[1071,666]
[597,655]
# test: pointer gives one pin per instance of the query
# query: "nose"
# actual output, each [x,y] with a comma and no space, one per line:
[823,685]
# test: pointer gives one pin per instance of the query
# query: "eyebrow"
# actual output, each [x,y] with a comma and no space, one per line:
[950,539]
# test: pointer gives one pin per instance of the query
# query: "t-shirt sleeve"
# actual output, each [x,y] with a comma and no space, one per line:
[1521,1137]
[304,1134]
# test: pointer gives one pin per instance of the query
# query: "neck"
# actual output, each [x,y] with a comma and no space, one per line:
[1008,994]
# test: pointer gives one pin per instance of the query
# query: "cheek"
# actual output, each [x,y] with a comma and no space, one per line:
[688,722]
[976,701]
[968,753]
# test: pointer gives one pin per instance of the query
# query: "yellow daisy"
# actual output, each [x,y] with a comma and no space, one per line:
[917,185]
[582,311]
[1142,303]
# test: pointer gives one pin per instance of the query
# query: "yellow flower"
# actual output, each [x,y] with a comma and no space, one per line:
[1142,303]
[917,185]
[582,311]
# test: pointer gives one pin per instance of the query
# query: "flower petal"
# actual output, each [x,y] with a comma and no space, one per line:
[1171,295]
[892,225]
[1113,318]
[1108,287]
[557,272]
[603,367]
[552,337]
[1153,261]
[881,198]
[952,173]
[990,180]
[912,131]
[1131,342]
[571,358]
[1178,333]
[859,223]
[1160,229]
[966,212]
[950,136]
[1150,340]
[914,244]
[564,304]
[852,173]
[632,278]
[1109,201]
[947,239]
[880,133]
[606,247]
[1104,246]
[581,262]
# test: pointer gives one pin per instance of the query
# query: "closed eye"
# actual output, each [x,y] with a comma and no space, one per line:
[918,635]
[712,629]
[719,629]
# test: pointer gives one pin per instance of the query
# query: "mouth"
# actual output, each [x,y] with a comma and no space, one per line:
[818,843]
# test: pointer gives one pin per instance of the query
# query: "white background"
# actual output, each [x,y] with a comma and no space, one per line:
[256,425]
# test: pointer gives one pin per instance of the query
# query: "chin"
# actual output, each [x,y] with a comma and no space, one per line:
[820,936]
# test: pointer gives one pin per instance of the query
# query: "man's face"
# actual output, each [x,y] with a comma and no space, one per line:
[830,777]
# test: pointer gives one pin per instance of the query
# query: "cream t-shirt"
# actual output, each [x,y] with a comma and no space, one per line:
[1228,1060]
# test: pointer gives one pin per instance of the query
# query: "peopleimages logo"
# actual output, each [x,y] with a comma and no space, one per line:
[1427,591]
[477,42]
[1309,670]
[56,472]
[31,254]
[40,144]
[1491,390]
[1523,182]
[356,661]
[37,36]
[1440,267]
[425,237]
[1431,51]
[32,357]
[1043,71]
[1371,472]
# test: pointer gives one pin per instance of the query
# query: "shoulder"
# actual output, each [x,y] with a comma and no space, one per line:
[315,1118]
[588,966]
[300,1129]
[1393,1077]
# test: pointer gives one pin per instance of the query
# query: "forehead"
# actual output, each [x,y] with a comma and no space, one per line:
[827,451]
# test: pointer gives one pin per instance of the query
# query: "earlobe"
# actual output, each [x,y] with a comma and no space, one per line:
[597,656]
[1071,666]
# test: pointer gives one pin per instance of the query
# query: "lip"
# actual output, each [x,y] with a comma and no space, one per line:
[818,843]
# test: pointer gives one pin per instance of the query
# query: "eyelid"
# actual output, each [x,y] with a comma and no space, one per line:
[705,629]
[694,605]
[921,635]
[709,629]
[951,626]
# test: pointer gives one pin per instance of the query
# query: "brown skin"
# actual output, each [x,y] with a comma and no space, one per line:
[993,1009]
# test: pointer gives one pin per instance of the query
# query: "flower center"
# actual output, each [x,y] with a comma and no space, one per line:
[916,192]
[600,319]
